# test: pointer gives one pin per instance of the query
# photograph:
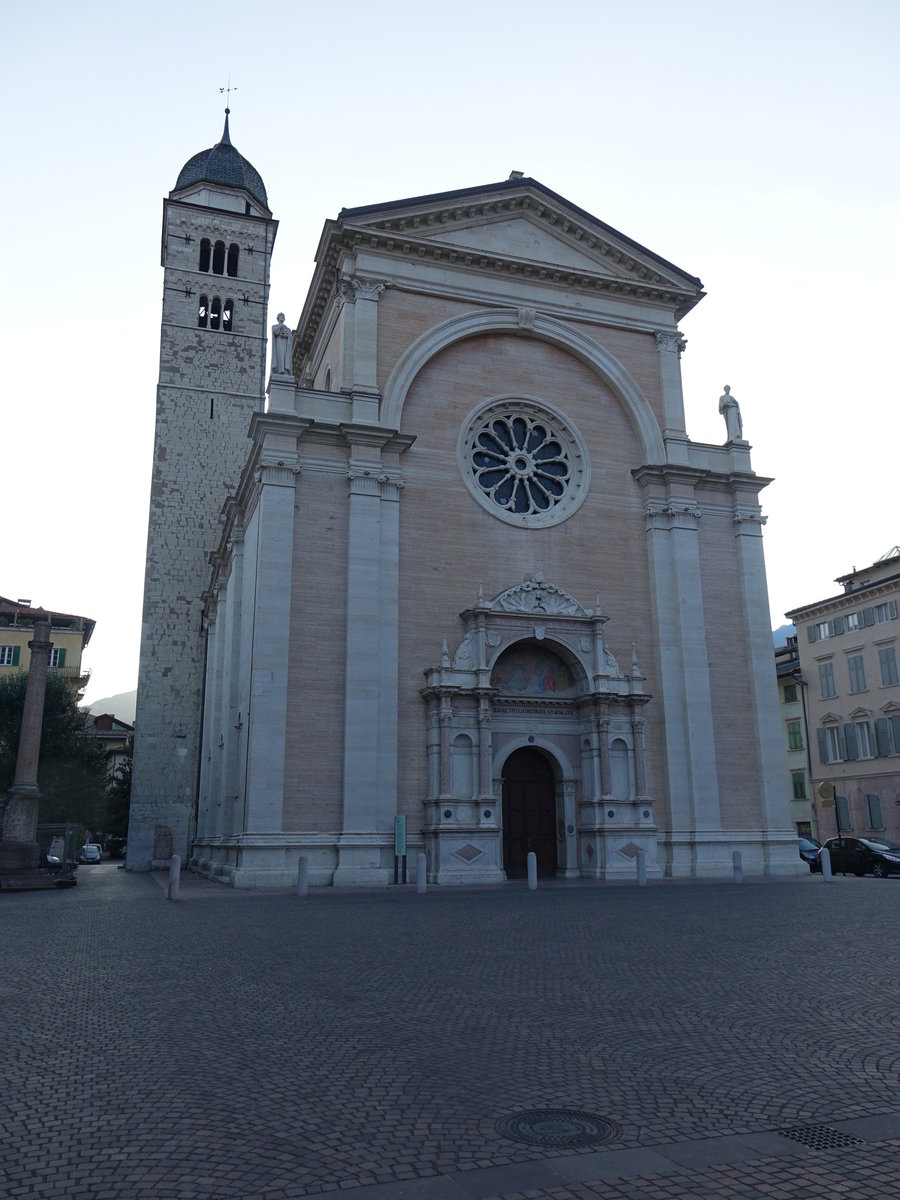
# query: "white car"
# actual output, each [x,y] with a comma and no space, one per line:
[91,853]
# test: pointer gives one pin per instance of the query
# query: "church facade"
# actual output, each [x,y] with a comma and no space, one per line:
[474,573]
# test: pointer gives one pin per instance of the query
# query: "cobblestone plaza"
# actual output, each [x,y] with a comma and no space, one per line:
[380,1045]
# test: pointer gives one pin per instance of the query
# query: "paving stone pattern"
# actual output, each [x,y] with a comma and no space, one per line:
[367,1044]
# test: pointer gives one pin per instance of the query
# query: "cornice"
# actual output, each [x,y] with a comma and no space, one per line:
[858,598]
[400,232]
[698,477]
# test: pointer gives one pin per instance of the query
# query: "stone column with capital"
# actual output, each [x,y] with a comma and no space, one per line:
[640,763]
[446,720]
[603,750]
[484,747]
[18,848]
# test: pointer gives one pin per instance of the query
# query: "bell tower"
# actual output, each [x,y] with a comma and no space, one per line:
[217,239]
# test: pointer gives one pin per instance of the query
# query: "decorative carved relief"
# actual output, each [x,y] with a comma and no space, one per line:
[535,596]
[464,659]
[671,343]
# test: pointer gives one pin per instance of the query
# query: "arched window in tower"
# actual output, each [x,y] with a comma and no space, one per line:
[204,254]
[228,316]
[233,251]
[219,258]
[203,313]
[215,313]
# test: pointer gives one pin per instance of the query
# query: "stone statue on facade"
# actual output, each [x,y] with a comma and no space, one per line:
[731,411]
[281,347]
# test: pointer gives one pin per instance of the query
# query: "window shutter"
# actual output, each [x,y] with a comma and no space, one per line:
[838,625]
[811,632]
[895,729]
[892,606]
[61,658]
[883,736]
[15,661]
[842,742]
[868,616]
[850,742]
[873,811]
[823,746]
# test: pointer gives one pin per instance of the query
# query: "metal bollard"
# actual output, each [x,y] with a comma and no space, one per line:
[641,862]
[737,866]
[421,875]
[302,875]
[174,877]
[532,871]
[825,856]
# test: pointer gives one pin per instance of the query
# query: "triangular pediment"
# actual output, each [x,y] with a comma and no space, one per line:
[513,238]
[527,240]
[521,222]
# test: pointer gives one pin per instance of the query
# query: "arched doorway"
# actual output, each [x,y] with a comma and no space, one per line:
[529,813]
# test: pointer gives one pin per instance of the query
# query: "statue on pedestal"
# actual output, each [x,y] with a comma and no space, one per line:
[281,347]
[731,411]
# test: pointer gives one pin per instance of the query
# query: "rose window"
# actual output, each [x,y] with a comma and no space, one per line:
[520,464]
[523,463]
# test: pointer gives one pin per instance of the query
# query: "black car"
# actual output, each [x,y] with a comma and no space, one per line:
[864,856]
[809,851]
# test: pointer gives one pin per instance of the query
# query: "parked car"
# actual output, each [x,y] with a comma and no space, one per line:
[864,856]
[809,851]
[91,853]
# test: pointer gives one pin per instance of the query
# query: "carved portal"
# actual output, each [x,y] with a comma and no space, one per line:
[532,669]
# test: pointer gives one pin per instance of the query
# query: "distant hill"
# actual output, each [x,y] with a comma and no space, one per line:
[782,633]
[121,706]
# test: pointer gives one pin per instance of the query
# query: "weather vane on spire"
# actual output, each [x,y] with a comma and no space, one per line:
[226,92]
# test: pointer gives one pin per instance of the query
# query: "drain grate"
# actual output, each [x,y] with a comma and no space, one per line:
[820,1137]
[559,1128]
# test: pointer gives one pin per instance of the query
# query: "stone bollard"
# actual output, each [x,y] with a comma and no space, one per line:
[737,866]
[421,875]
[174,877]
[532,871]
[825,856]
[302,875]
[641,862]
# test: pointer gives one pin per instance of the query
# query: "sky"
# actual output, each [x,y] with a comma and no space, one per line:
[754,145]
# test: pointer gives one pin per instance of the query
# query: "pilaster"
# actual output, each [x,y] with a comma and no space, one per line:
[672,518]
[670,346]
[266,716]
[766,733]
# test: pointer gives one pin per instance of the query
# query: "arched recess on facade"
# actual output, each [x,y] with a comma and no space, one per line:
[570,656]
[527,323]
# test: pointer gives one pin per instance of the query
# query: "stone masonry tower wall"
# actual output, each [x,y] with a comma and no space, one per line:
[217,241]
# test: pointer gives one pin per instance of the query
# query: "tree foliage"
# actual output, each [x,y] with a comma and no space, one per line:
[71,770]
[118,800]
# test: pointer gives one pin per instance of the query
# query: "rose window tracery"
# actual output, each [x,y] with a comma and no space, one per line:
[523,462]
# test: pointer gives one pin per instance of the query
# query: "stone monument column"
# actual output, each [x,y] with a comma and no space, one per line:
[18,849]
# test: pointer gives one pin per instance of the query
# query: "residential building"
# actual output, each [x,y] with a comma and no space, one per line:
[848,651]
[792,706]
[69,636]
[117,738]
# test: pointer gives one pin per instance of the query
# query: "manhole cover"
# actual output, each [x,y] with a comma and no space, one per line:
[558,1127]
[820,1137]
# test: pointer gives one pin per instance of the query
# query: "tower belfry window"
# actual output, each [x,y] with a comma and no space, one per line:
[233,252]
[203,313]
[228,315]
[215,314]
[204,254]
[218,258]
